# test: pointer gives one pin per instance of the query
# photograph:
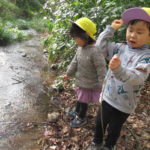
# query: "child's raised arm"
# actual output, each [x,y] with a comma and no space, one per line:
[116,24]
[104,43]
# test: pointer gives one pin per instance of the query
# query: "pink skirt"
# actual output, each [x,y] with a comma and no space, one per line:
[88,95]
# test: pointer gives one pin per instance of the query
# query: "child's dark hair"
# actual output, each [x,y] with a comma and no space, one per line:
[137,20]
[76,31]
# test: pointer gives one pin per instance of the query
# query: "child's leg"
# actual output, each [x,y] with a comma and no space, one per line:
[102,119]
[77,108]
[73,113]
[116,122]
[83,110]
[80,119]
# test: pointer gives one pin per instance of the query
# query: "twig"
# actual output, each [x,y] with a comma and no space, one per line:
[27,122]
[138,143]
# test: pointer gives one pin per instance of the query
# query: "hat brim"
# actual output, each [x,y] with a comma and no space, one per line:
[76,24]
[133,14]
[81,28]
[71,21]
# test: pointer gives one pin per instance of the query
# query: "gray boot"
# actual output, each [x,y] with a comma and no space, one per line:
[94,146]
[104,148]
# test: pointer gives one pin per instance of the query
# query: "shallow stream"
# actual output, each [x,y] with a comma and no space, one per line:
[23,103]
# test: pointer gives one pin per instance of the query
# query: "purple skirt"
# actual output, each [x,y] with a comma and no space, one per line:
[88,95]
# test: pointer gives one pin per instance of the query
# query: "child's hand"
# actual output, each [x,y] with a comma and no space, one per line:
[114,63]
[142,69]
[66,77]
[116,24]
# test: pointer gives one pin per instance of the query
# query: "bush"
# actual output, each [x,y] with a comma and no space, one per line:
[8,9]
[5,37]
[22,24]
[8,34]
[39,24]
[29,7]
[12,12]
[102,12]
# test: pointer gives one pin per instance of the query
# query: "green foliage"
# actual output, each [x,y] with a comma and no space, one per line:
[9,34]
[11,9]
[22,24]
[39,24]
[8,9]
[5,37]
[12,22]
[29,7]
[102,12]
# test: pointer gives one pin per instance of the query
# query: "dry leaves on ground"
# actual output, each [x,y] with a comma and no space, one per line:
[135,134]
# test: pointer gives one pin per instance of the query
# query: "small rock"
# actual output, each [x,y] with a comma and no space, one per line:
[7,106]
[53,147]
[23,54]
[54,66]
[58,89]
[53,117]
[45,51]
[67,110]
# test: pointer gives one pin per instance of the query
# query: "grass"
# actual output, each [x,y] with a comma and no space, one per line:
[11,30]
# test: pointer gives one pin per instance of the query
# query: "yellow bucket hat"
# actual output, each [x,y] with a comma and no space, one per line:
[87,25]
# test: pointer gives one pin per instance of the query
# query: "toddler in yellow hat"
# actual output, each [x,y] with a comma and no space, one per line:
[89,68]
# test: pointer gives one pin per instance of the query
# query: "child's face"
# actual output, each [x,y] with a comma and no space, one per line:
[138,34]
[80,42]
